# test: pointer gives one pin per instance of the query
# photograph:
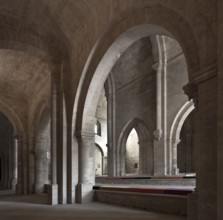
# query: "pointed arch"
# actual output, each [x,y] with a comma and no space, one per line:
[143,135]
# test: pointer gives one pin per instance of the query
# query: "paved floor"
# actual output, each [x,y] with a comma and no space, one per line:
[34,207]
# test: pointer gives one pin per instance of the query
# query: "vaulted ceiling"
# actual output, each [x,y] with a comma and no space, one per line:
[22,74]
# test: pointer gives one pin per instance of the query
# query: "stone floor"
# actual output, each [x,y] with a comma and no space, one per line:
[34,208]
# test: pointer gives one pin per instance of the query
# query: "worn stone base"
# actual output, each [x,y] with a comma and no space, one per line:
[192,206]
[52,194]
[84,192]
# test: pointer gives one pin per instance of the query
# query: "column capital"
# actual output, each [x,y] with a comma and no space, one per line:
[206,73]
[18,136]
[157,134]
[191,90]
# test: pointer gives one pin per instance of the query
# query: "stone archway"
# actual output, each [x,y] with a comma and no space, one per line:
[18,169]
[101,60]
[132,154]
[145,147]
[174,137]
[118,37]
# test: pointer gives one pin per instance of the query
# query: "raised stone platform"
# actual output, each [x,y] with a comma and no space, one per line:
[146,189]
[167,194]
[189,181]
[174,204]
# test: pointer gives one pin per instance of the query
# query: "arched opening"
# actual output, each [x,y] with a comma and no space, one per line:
[132,153]
[99,157]
[8,155]
[135,150]
[157,159]
[101,136]
[186,147]
[175,133]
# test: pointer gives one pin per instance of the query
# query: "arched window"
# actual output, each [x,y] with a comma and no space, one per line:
[97,128]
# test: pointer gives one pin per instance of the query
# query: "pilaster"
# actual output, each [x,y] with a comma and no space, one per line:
[110,96]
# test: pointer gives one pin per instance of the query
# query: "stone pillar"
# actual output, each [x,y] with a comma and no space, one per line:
[191,90]
[61,149]
[160,132]
[19,185]
[41,170]
[173,145]
[204,94]
[72,164]
[14,164]
[58,186]
[10,164]
[53,188]
[86,146]
[112,157]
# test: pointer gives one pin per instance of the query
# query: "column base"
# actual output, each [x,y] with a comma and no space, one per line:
[52,194]
[192,206]
[175,171]
[14,183]
[159,173]
[38,188]
[84,192]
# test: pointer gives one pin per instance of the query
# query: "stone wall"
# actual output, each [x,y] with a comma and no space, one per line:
[135,86]
[135,92]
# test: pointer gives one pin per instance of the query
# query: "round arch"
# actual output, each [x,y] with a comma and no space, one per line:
[117,38]
[107,50]
[174,137]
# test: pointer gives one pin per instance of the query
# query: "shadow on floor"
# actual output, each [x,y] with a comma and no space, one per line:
[30,199]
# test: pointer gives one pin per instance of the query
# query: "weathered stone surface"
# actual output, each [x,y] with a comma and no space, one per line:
[77,43]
